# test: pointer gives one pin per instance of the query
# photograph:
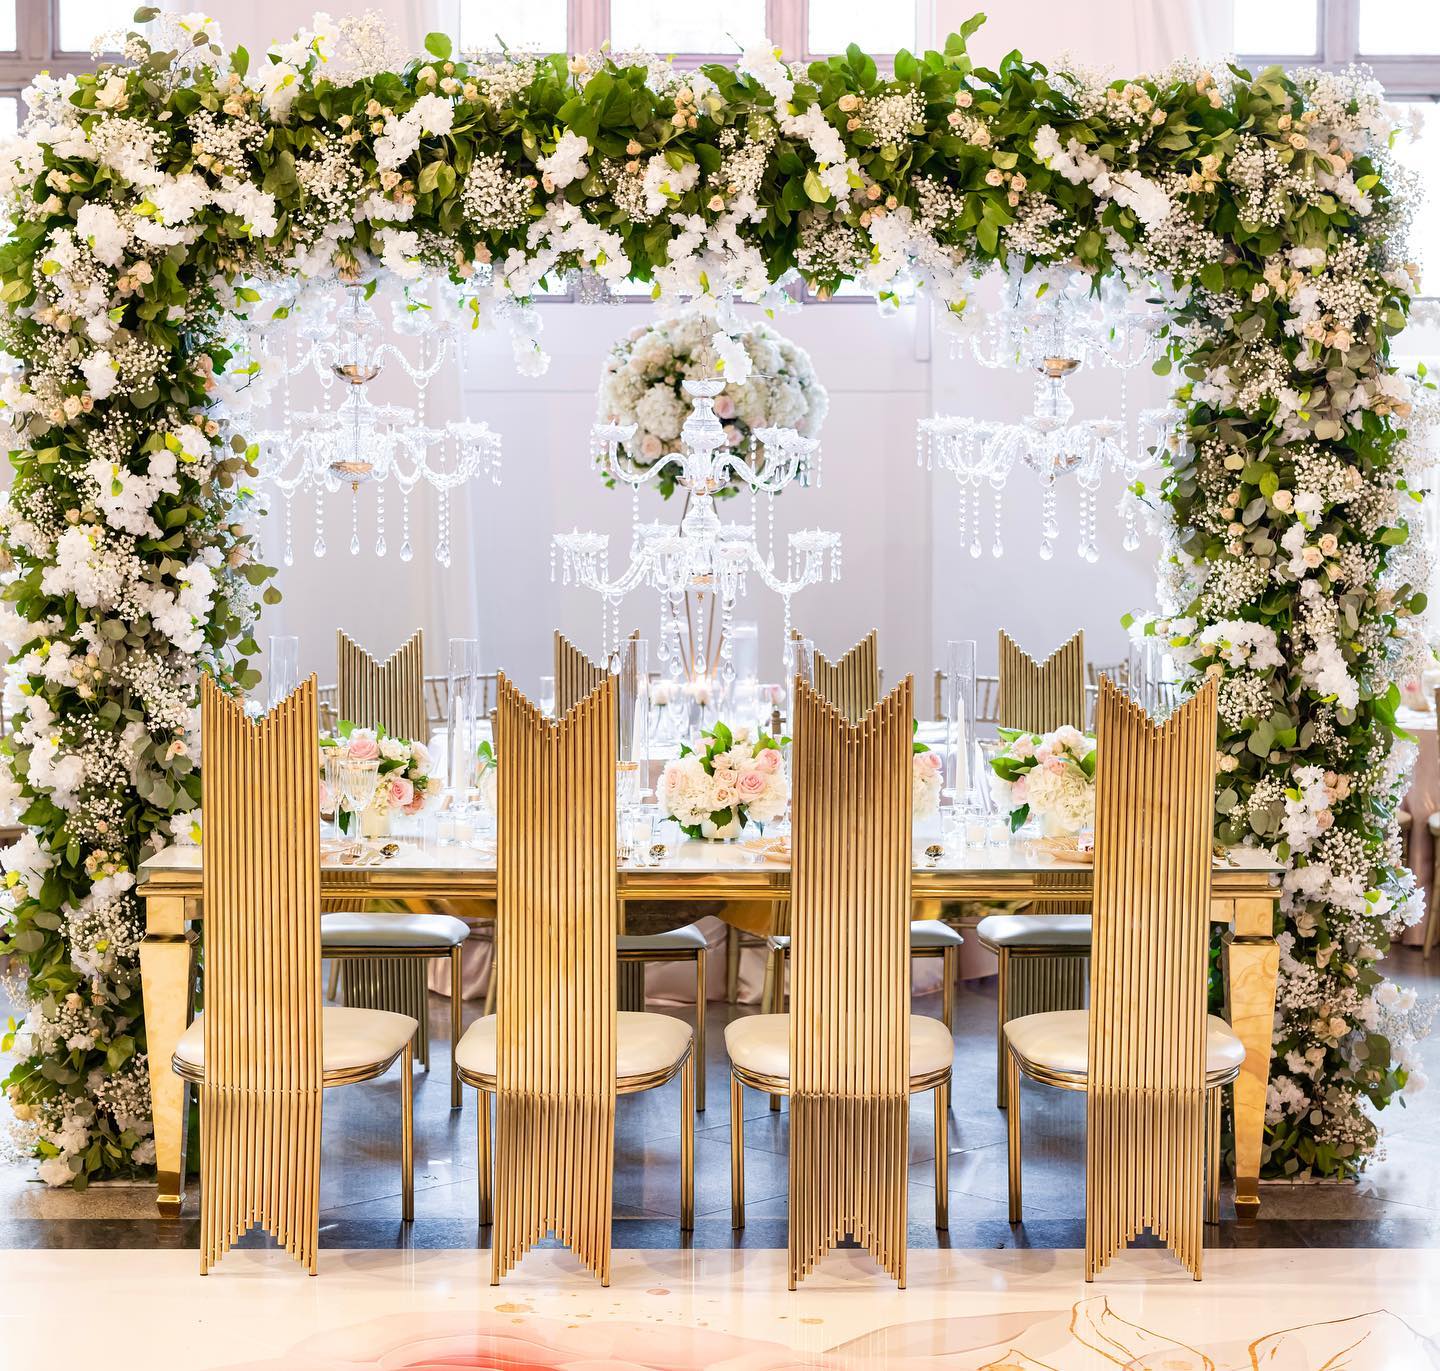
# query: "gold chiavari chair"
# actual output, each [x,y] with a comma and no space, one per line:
[576,676]
[850,1053]
[264,1049]
[1040,955]
[384,957]
[557,1053]
[1151,1061]
[852,685]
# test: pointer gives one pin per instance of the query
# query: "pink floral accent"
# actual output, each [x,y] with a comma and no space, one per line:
[402,792]
[362,748]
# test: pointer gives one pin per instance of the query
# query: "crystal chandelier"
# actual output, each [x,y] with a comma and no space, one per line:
[701,553]
[1049,324]
[360,443]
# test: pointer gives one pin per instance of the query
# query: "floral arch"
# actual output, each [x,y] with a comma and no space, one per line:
[148,201]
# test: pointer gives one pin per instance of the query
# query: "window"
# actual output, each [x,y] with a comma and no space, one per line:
[80,22]
[1289,27]
[1389,28]
[832,25]
[1422,155]
[540,24]
[30,42]
[7,25]
[703,27]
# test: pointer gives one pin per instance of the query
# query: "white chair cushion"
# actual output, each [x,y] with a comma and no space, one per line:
[760,1043]
[687,939]
[1060,1041]
[346,929]
[1034,930]
[350,1038]
[933,933]
[645,1043]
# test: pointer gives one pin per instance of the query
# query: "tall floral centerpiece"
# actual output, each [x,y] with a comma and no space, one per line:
[1048,775]
[732,778]
[771,383]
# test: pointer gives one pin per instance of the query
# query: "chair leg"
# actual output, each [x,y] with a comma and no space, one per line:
[490,984]
[950,969]
[942,1155]
[332,989]
[1012,1131]
[687,1145]
[700,1032]
[1212,1155]
[454,1025]
[767,991]
[482,1153]
[732,964]
[407,1134]
[1002,1005]
[777,999]
[737,1153]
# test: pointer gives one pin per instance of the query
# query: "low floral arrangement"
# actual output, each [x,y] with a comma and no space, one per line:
[1049,775]
[929,770]
[406,784]
[772,385]
[737,777]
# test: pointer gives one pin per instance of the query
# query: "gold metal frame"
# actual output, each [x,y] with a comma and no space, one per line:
[1149,1103]
[388,694]
[696,955]
[260,1088]
[852,681]
[576,676]
[1042,696]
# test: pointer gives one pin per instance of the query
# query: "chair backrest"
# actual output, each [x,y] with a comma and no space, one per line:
[437,697]
[557,918]
[1041,696]
[576,676]
[260,1101]
[1145,1107]
[388,694]
[850,978]
[852,682]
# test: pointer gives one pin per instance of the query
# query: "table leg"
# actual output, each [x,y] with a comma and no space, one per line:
[1252,967]
[167,978]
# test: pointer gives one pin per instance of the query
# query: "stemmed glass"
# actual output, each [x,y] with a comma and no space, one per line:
[331,759]
[358,783]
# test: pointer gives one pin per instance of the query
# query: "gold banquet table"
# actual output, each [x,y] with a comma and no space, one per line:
[745,889]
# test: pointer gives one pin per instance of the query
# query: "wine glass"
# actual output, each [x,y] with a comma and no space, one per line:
[331,759]
[358,783]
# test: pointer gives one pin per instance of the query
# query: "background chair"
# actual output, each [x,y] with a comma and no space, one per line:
[851,1053]
[1041,950]
[1150,1060]
[263,1051]
[382,958]
[556,1054]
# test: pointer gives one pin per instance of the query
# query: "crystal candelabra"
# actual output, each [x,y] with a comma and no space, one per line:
[361,443]
[701,553]
[1047,323]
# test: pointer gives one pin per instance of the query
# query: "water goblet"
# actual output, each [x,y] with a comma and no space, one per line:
[358,783]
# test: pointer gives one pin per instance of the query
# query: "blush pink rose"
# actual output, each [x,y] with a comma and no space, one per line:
[415,805]
[362,748]
[724,407]
[768,760]
[402,792]
[930,760]
[650,447]
[750,785]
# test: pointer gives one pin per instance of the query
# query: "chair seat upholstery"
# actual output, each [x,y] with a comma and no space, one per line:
[350,1039]
[1060,1042]
[687,939]
[1033,930]
[933,933]
[760,1043]
[348,929]
[645,1044]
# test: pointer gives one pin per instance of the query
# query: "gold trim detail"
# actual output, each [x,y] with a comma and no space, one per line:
[260,1099]
[1145,1108]
[557,918]
[388,694]
[1040,697]
[852,682]
[850,959]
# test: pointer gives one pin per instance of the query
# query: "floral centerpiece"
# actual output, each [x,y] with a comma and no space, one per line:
[405,784]
[772,384]
[1049,775]
[929,769]
[736,777]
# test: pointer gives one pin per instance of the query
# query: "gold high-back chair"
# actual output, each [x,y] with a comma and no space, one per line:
[576,676]
[388,694]
[1042,696]
[557,1054]
[852,682]
[1040,953]
[850,1053]
[262,1051]
[1150,1061]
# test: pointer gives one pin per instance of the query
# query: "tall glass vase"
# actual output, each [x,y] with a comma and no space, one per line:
[631,663]
[462,722]
[958,686]
[282,669]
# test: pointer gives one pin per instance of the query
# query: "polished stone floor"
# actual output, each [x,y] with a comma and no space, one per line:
[1396,1204]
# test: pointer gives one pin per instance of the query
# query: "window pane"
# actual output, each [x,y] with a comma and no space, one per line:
[82,20]
[7,25]
[534,24]
[1399,28]
[663,26]
[9,115]
[1277,28]
[835,24]
[1422,155]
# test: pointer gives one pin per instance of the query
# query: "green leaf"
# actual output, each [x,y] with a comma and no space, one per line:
[438,45]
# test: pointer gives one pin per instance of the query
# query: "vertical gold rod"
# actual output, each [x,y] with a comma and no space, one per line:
[1040,697]
[388,694]
[852,682]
